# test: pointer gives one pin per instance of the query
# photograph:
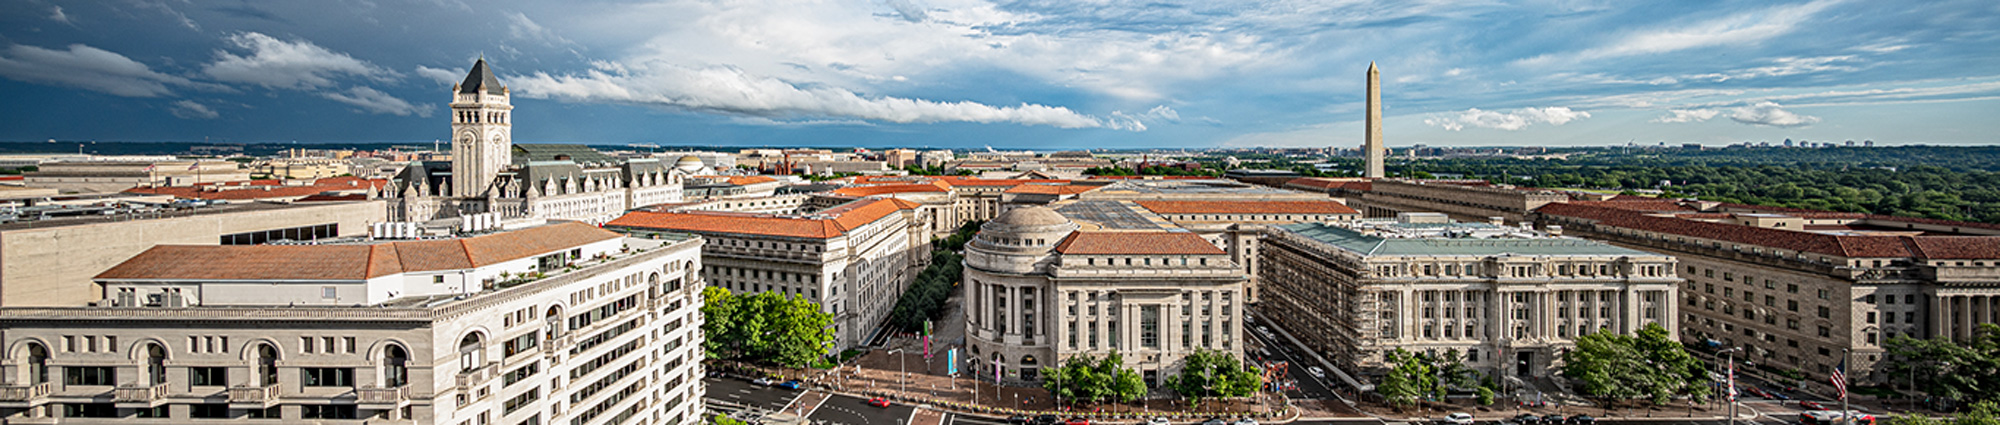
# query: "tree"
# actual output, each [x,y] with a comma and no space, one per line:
[1207,373]
[1485,396]
[1967,371]
[1612,366]
[766,326]
[1084,378]
[1407,379]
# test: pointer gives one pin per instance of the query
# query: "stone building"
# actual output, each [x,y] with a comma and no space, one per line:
[488,172]
[50,262]
[557,324]
[1795,287]
[1038,290]
[854,259]
[112,176]
[1508,299]
[1466,200]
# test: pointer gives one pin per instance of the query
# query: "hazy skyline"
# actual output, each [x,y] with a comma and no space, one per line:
[1026,74]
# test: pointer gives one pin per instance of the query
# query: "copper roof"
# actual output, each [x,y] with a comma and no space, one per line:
[1246,207]
[350,262]
[1162,243]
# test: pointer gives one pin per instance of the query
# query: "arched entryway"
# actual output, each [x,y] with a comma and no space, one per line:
[267,364]
[395,367]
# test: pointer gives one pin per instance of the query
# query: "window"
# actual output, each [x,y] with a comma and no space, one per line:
[306,344]
[1871,317]
[208,376]
[90,375]
[208,411]
[1149,327]
[1825,313]
[326,376]
[326,411]
[1792,305]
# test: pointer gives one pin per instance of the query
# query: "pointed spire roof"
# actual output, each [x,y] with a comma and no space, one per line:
[1371,67]
[481,75]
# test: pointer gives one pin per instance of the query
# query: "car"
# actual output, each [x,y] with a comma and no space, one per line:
[1246,421]
[1774,394]
[1047,420]
[1459,418]
[1077,421]
[1527,419]
[764,382]
[1580,420]
[1811,405]
[1017,420]
[791,385]
[1316,372]
[1158,421]
[1215,421]
[878,402]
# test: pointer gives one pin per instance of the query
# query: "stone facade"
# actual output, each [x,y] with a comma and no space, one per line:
[1508,300]
[1462,200]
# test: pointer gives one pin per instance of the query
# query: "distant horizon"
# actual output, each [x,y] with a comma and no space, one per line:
[1025,75]
[1392,147]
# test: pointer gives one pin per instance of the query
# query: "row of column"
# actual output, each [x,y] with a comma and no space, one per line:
[1958,316]
[1627,307]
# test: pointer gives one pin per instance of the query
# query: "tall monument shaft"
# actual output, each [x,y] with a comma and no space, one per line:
[1372,144]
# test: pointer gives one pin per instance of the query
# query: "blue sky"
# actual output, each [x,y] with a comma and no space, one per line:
[1039,74]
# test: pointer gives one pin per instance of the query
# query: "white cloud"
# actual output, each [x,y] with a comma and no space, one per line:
[733,91]
[520,27]
[88,68]
[909,10]
[188,109]
[1510,121]
[56,14]
[1686,115]
[1739,29]
[376,102]
[1137,122]
[279,64]
[444,76]
[1771,114]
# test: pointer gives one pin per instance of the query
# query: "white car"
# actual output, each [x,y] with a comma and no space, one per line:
[1158,421]
[1459,418]
[1246,421]
[1316,371]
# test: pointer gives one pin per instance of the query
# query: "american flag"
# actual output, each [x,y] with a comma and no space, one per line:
[1840,379]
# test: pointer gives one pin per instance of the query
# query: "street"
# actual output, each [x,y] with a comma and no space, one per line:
[845,410]
[732,396]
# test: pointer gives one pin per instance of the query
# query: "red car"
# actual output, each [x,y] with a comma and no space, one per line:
[1078,421]
[878,402]
[1812,405]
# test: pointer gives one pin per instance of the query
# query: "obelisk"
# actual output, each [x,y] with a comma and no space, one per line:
[1372,142]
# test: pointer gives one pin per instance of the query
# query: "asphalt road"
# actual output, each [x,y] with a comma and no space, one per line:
[1309,387]
[729,395]
[845,410]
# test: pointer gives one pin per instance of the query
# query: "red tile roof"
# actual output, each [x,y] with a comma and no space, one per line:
[1329,184]
[1160,243]
[1246,207]
[842,219]
[350,262]
[1957,247]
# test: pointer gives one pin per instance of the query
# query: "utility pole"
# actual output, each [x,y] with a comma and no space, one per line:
[1840,380]
[1730,395]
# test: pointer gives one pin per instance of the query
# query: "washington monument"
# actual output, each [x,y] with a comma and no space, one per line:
[1372,144]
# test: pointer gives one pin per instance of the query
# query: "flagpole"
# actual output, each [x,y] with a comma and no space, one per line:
[1840,376]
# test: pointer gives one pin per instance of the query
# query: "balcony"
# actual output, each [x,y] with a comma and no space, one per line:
[25,396]
[476,376]
[253,397]
[140,397]
[372,398]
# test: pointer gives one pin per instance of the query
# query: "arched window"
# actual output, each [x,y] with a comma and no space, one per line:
[267,364]
[156,364]
[38,363]
[395,367]
[471,352]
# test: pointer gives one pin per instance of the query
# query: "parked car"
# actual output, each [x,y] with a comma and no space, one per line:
[792,385]
[1580,420]
[1158,421]
[1047,420]
[1017,420]
[1077,421]
[878,402]
[1774,394]
[1527,419]
[1246,421]
[1459,418]
[1811,405]
[1215,421]
[763,382]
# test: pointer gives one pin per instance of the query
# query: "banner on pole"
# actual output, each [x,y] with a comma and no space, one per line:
[951,362]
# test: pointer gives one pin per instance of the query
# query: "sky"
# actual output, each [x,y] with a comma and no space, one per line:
[1030,74]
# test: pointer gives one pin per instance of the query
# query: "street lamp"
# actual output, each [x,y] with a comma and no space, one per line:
[903,379]
[1730,354]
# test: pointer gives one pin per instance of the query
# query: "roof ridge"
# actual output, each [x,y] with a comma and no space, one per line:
[467,250]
